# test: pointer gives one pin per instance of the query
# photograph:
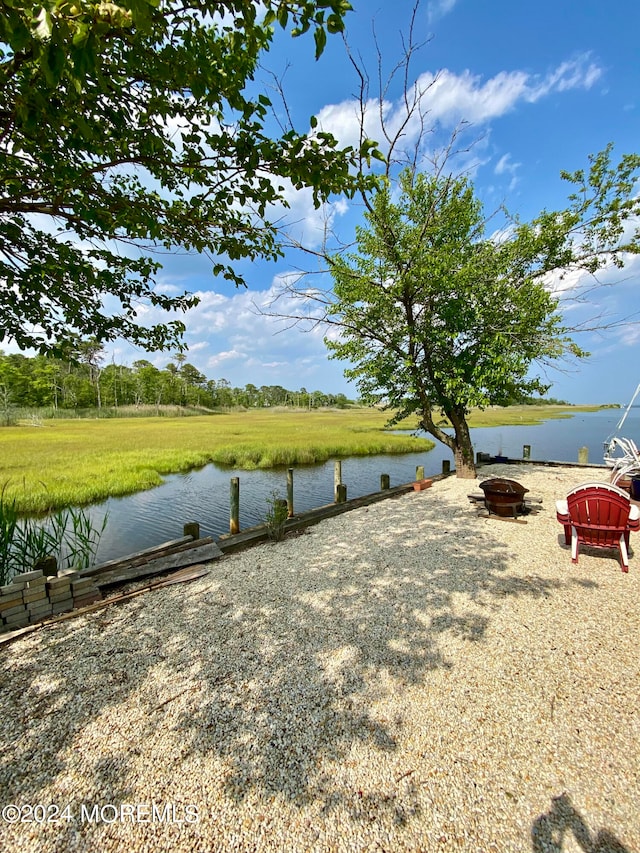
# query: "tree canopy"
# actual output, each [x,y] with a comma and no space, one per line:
[436,318]
[440,308]
[131,128]
[436,314]
[40,386]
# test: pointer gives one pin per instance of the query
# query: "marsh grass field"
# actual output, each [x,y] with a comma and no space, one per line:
[76,462]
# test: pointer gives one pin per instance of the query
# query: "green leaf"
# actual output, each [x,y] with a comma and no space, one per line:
[320,37]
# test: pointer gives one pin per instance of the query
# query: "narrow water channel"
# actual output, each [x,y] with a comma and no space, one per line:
[150,517]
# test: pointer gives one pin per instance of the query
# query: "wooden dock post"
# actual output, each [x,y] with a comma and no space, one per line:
[341,493]
[337,478]
[583,456]
[446,466]
[526,451]
[385,482]
[234,516]
[290,492]
[47,565]
[419,472]
[192,529]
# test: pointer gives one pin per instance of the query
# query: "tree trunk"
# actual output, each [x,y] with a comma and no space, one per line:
[464,469]
[459,443]
[463,449]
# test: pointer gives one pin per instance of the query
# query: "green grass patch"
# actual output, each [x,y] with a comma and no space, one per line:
[75,462]
[523,415]
[512,416]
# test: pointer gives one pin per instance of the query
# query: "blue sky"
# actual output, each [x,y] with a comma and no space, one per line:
[542,85]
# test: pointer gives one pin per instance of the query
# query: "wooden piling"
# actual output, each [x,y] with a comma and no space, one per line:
[583,455]
[385,482]
[290,492]
[192,529]
[47,565]
[341,493]
[337,478]
[234,516]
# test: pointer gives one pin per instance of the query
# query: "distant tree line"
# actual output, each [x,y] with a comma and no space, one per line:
[524,400]
[83,381]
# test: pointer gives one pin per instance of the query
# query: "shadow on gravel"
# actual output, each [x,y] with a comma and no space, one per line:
[270,670]
[563,822]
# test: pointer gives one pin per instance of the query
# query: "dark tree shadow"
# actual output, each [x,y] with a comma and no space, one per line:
[550,830]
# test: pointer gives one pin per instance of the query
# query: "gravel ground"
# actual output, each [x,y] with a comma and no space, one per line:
[405,677]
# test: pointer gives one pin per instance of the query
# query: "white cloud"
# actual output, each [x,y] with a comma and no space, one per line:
[302,220]
[167,288]
[439,8]
[603,306]
[450,98]
[573,74]
[629,336]
[577,283]
[505,166]
[567,283]
[228,337]
[219,358]
[343,120]
[455,97]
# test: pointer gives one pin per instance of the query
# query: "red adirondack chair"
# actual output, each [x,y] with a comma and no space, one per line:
[598,515]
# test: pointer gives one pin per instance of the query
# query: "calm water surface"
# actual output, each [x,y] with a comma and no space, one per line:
[154,516]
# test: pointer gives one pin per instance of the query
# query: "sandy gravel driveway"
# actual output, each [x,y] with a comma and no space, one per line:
[405,677]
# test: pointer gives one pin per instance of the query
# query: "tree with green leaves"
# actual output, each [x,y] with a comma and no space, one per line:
[434,313]
[436,316]
[136,127]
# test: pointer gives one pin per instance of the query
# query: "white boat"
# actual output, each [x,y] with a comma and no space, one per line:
[621,454]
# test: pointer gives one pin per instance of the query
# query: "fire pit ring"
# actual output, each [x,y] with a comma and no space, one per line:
[503,497]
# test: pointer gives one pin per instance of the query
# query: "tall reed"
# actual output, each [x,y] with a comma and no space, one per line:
[68,535]
[8,526]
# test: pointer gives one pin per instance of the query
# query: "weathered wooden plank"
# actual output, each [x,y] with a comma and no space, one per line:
[146,553]
[189,573]
[180,559]
[126,563]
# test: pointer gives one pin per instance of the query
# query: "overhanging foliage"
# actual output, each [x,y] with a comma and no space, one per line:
[129,128]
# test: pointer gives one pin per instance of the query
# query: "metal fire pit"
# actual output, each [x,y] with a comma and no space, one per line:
[503,497]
